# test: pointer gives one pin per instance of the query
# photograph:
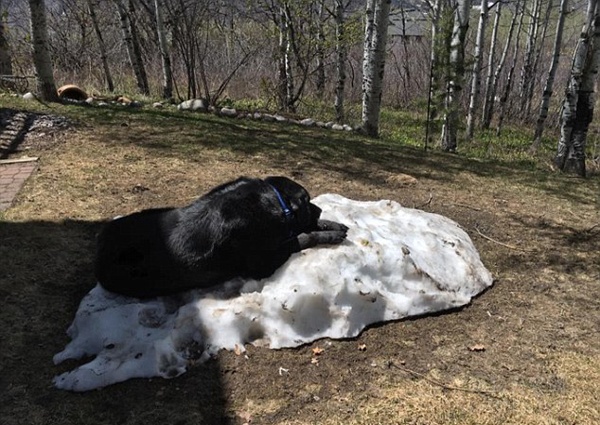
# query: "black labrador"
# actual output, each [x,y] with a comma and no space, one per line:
[244,228]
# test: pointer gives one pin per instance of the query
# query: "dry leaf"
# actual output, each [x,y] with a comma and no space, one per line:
[317,350]
[362,347]
[477,347]
[237,350]
[314,361]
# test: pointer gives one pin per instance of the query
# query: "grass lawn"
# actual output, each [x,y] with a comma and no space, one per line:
[538,231]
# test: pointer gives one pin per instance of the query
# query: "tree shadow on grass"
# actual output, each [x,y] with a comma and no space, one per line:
[46,269]
[352,155]
[14,125]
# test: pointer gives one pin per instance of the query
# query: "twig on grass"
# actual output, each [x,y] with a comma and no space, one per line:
[466,206]
[516,248]
[428,201]
[588,230]
[441,384]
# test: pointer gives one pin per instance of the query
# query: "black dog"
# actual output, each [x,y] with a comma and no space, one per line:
[246,228]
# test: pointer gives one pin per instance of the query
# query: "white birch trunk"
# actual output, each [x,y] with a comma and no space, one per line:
[341,56]
[167,77]
[578,105]
[548,87]
[490,87]
[41,51]
[536,61]
[103,55]
[476,72]
[133,54]
[289,93]
[457,70]
[282,47]
[436,12]
[509,79]
[376,29]
[320,50]
[528,59]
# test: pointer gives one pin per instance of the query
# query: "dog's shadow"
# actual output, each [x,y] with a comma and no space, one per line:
[46,270]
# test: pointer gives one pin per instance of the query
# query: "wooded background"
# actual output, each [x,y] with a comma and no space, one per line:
[471,65]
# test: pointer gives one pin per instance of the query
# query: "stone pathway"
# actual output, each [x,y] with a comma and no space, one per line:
[13,174]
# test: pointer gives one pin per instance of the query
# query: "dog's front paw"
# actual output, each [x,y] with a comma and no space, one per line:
[334,237]
[332,225]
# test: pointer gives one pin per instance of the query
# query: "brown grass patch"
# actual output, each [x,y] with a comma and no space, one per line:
[539,324]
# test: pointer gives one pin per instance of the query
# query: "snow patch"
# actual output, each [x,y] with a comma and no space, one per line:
[396,262]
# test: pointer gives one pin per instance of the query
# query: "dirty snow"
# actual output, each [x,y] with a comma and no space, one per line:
[396,262]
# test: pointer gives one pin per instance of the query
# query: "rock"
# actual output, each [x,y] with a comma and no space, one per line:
[89,101]
[257,115]
[28,96]
[200,105]
[280,118]
[329,124]
[228,112]
[268,117]
[348,127]
[337,127]
[157,105]
[309,122]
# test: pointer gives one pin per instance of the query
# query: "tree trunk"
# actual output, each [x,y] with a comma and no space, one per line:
[167,83]
[509,78]
[5,58]
[536,62]
[41,52]
[476,72]
[103,56]
[456,75]
[341,55]
[133,49]
[528,59]
[488,110]
[434,60]
[490,89]
[376,29]
[578,105]
[320,51]
[548,87]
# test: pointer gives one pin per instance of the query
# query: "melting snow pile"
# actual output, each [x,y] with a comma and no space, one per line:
[396,262]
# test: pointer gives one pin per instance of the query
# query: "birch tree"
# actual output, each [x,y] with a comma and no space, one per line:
[102,46]
[341,52]
[578,104]
[376,29]
[167,74]
[132,44]
[456,75]
[548,86]
[490,81]
[529,54]
[438,47]
[41,51]
[511,72]
[476,71]
[320,49]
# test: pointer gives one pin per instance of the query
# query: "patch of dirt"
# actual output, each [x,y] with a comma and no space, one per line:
[538,355]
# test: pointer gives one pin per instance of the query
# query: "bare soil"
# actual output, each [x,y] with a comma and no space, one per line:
[525,352]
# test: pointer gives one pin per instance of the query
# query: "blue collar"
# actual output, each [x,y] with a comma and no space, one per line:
[286,210]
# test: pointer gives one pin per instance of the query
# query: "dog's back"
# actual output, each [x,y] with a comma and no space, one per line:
[133,257]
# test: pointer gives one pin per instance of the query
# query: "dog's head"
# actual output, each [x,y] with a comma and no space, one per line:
[305,214]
